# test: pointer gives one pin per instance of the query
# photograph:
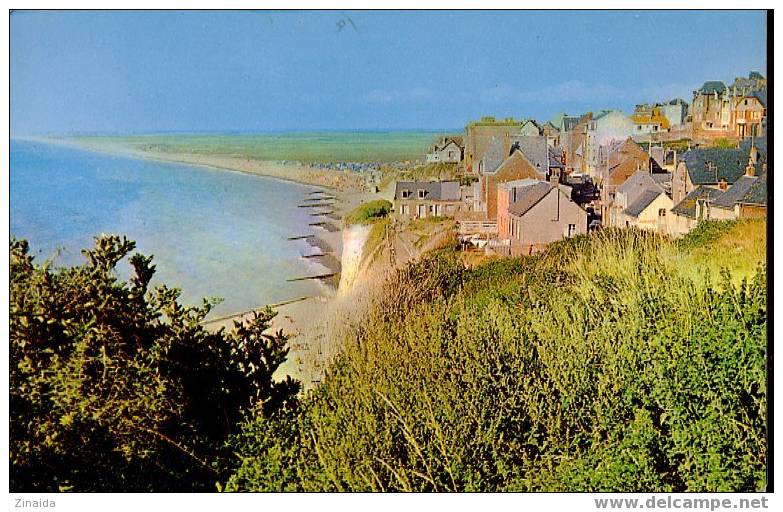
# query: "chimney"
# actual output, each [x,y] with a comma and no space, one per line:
[722,184]
[750,170]
[675,159]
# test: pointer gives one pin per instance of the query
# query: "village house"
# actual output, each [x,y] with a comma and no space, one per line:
[686,214]
[675,111]
[715,167]
[480,134]
[722,112]
[420,199]
[517,166]
[643,201]
[746,197]
[582,144]
[647,120]
[552,133]
[623,161]
[538,213]
[448,149]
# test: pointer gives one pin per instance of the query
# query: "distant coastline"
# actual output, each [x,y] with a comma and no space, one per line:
[287,172]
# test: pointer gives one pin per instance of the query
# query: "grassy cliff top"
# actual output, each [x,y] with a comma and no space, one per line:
[612,362]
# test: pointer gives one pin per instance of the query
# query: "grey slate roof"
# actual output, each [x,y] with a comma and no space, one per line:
[639,182]
[712,87]
[735,192]
[494,155]
[757,193]
[762,96]
[528,197]
[730,163]
[536,150]
[687,207]
[642,201]
[434,190]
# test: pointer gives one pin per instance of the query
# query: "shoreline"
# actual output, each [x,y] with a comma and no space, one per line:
[302,318]
[333,181]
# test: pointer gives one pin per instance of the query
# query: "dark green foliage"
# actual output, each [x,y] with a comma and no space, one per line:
[705,232]
[598,366]
[368,212]
[114,388]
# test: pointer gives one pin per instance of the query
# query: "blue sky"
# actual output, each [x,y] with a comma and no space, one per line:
[124,72]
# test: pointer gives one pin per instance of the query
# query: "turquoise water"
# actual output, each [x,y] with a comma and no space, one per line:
[212,232]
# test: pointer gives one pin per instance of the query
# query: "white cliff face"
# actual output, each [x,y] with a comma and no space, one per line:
[354,237]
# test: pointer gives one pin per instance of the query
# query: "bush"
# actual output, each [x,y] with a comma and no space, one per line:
[117,388]
[369,212]
[605,369]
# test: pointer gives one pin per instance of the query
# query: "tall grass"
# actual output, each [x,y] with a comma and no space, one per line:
[599,365]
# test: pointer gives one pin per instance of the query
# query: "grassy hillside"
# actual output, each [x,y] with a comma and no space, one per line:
[617,361]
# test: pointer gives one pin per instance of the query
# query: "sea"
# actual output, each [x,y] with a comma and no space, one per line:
[212,233]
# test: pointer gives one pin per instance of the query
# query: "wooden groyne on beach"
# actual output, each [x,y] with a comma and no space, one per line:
[317,276]
[254,310]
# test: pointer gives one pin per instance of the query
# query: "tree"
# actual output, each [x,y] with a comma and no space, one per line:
[116,387]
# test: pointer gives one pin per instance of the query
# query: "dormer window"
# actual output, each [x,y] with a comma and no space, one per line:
[422,193]
[406,193]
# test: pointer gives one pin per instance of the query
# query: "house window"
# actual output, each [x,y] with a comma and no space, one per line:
[662,212]
[422,193]
[406,193]
[404,209]
[571,230]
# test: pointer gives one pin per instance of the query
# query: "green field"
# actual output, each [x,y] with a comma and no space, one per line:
[335,146]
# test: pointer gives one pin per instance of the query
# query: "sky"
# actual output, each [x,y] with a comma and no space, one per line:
[203,71]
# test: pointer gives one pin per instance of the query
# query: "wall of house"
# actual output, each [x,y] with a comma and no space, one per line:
[451,153]
[679,225]
[409,209]
[674,113]
[650,218]
[681,183]
[490,182]
[548,220]
[503,200]
[716,213]
[747,211]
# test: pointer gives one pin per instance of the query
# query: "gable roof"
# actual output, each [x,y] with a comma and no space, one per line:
[729,163]
[637,183]
[528,197]
[493,156]
[712,87]
[757,193]
[518,162]
[687,207]
[735,192]
[537,150]
[434,190]
[641,203]
[746,190]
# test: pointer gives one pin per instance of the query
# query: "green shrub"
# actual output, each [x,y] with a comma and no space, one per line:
[598,367]
[369,212]
[114,387]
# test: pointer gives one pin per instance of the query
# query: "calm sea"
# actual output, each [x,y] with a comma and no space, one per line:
[213,233]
